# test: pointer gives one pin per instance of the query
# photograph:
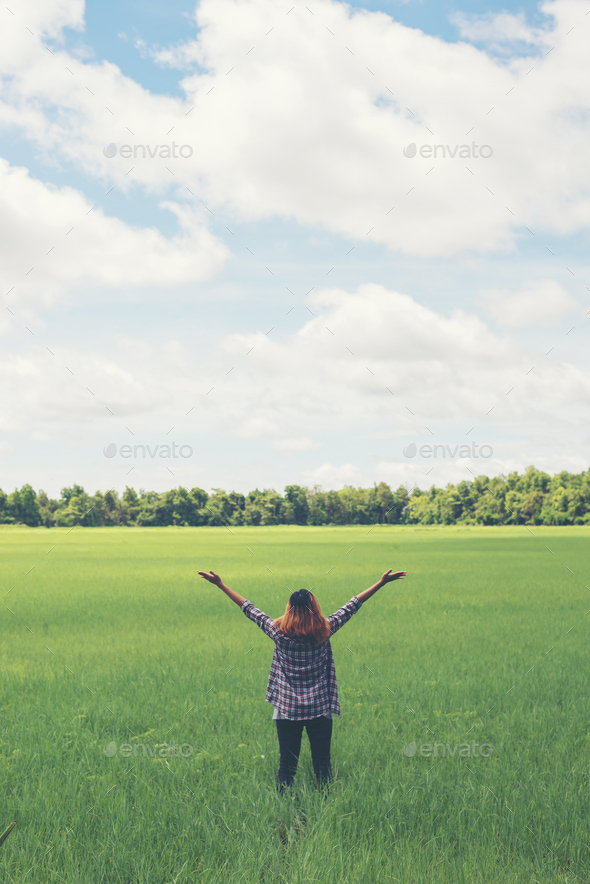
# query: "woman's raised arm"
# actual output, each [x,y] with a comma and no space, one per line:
[386,578]
[216,579]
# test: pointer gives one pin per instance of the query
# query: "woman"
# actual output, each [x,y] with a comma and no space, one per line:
[302,682]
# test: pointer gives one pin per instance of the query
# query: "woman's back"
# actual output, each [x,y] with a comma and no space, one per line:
[302,681]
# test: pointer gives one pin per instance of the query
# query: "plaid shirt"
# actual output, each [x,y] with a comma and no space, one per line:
[302,680]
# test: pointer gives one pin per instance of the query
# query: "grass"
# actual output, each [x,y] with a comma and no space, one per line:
[112,638]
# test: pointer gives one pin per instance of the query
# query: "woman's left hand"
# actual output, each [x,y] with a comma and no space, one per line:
[212,577]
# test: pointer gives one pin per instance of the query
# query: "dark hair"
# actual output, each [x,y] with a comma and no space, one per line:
[303,618]
[300,599]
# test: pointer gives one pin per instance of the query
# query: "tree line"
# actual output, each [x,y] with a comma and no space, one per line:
[533,498]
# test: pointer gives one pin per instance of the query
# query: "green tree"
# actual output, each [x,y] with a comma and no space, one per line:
[75,509]
[22,507]
[296,507]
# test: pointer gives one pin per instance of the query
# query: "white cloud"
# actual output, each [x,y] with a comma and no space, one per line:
[57,232]
[48,18]
[313,389]
[386,365]
[300,128]
[331,476]
[537,302]
[338,372]
[269,431]
[68,385]
[496,29]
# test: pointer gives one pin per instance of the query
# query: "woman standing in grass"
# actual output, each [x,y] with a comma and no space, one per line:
[302,683]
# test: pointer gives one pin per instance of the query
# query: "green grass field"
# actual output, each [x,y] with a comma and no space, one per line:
[113,638]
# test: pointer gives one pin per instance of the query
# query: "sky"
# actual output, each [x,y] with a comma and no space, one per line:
[247,244]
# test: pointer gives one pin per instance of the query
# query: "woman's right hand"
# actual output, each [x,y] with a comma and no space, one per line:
[393,575]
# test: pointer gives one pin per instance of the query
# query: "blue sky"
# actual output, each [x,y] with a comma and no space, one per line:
[155,299]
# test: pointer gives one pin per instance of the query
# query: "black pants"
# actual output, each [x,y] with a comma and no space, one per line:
[319,731]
